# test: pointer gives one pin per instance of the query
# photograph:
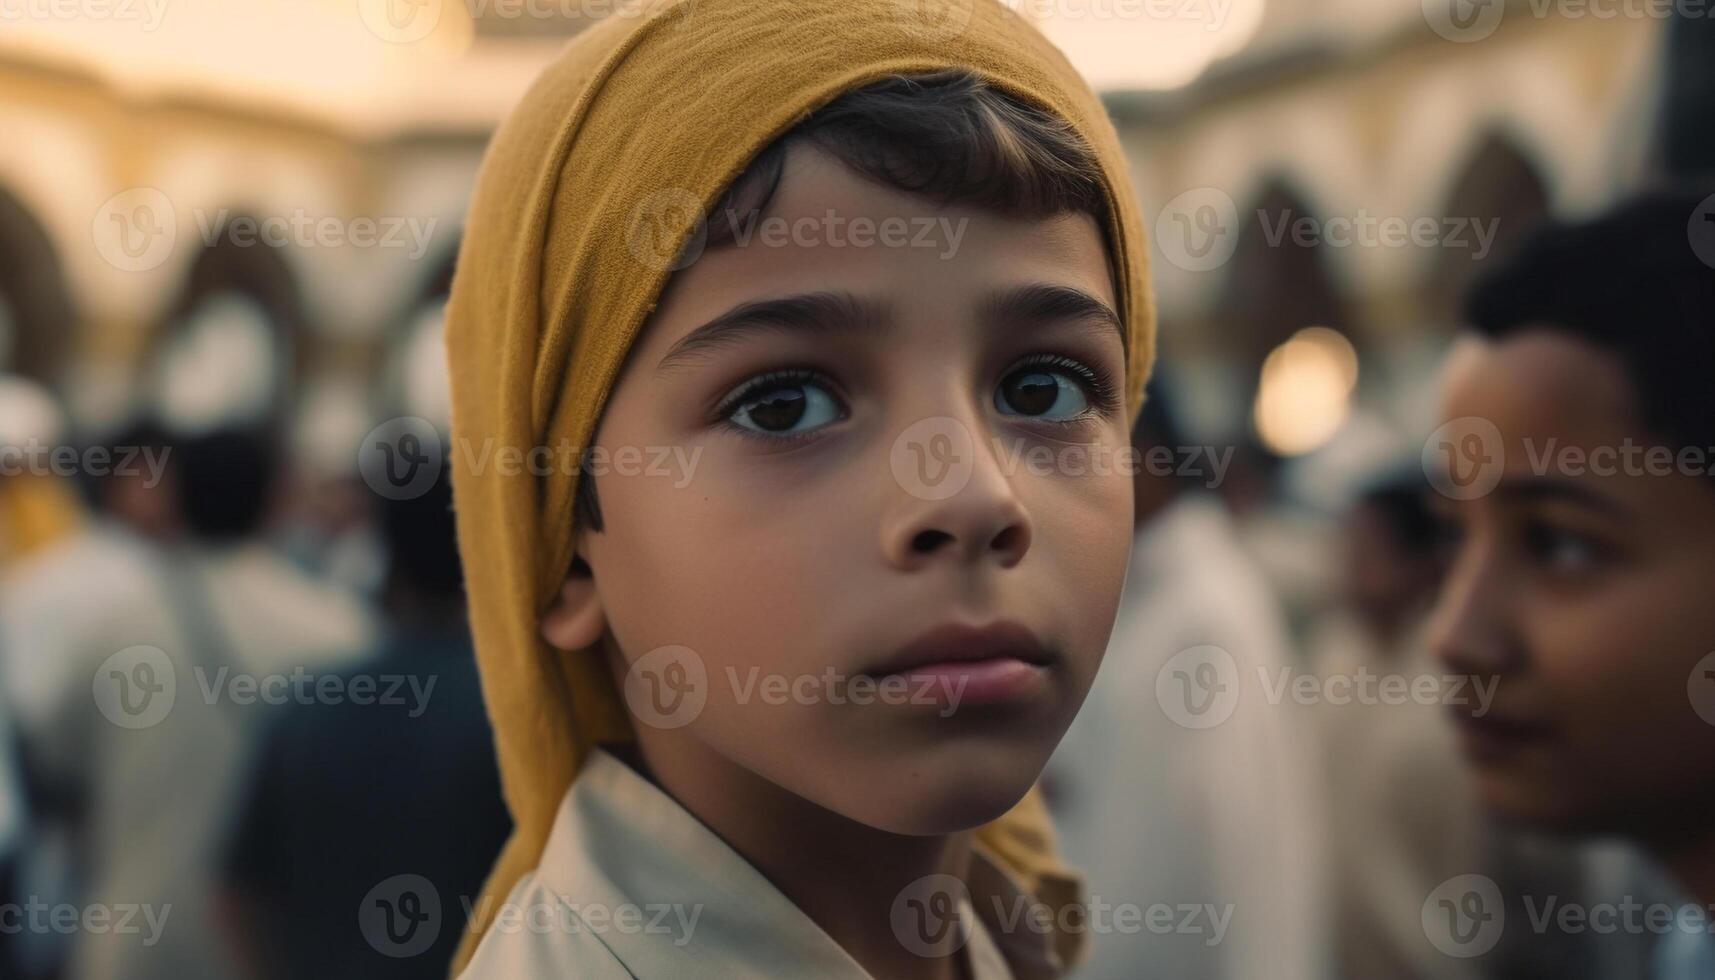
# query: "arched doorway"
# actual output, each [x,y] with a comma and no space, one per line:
[1499,187]
[1278,281]
[413,359]
[230,350]
[37,317]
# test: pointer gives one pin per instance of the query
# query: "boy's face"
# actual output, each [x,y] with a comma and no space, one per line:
[1585,595]
[817,533]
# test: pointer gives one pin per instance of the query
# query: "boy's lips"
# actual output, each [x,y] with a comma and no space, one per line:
[969,663]
[1489,735]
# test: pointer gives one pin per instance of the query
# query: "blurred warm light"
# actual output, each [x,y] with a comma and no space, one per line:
[1306,389]
[1144,44]
[363,64]
[1337,347]
[299,54]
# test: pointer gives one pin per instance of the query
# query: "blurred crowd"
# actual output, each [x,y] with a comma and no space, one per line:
[239,710]
[311,734]
[253,712]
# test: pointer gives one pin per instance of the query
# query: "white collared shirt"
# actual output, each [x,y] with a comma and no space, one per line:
[631,884]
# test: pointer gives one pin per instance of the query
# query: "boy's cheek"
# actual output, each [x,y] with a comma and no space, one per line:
[681,576]
[1087,611]
[1617,671]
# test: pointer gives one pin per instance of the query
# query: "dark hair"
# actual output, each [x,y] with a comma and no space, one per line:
[1633,283]
[947,136]
[421,541]
[1401,500]
[1157,422]
[226,479]
[142,433]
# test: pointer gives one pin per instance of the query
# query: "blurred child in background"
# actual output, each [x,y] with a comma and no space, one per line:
[1582,497]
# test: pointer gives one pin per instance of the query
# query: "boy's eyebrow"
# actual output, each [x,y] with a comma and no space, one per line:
[806,312]
[841,311]
[1047,302]
[1550,489]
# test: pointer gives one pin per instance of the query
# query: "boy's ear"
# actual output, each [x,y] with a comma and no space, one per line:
[575,621]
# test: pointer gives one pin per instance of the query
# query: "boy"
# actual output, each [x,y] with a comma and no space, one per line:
[850,534]
[1579,447]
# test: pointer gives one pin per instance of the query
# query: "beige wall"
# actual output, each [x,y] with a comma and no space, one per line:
[1382,118]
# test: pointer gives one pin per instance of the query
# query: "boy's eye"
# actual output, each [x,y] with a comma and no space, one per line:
[1563,551]
[783,406]
[1041,392]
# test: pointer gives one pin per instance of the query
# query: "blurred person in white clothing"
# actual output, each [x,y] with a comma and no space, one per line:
[1185,794]
[171,680]
[1399,802]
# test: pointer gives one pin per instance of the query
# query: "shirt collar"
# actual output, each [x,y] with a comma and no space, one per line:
[619,842]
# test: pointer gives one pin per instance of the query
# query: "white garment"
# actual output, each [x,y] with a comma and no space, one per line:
[160,796]
[50,605]
[623,850]
[1402,805]
[1214,831]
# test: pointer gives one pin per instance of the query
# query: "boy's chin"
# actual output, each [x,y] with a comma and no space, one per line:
[946,804]
[1658,818]
[1531,806]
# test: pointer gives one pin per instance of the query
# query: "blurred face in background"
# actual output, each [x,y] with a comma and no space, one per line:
[146,505]
[1390,570]
[1589,598]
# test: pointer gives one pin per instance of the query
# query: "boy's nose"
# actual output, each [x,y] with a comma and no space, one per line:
[983,520]
[1469,630]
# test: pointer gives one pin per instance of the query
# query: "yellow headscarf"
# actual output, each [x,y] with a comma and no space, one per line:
[586,193]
